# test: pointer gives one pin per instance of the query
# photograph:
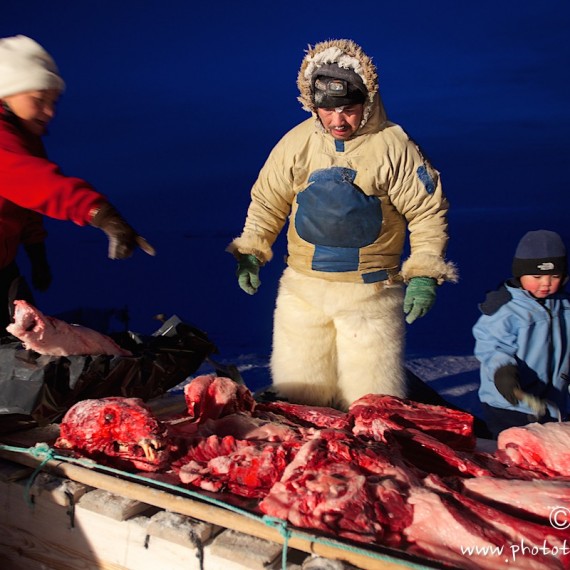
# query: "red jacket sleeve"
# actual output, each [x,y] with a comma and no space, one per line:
[33,182]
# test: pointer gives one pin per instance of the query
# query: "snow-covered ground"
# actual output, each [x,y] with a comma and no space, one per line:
[454,378]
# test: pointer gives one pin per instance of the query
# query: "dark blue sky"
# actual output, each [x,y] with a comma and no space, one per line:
[171,110]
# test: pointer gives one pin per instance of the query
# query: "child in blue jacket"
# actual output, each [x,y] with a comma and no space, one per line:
[523,338]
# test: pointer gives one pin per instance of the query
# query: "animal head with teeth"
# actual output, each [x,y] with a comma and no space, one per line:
[118,431]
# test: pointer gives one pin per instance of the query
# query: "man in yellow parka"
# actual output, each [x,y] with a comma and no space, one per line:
[350,183]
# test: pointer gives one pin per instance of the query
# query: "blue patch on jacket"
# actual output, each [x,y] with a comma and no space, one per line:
[338,218]
[335,259]
[426,179]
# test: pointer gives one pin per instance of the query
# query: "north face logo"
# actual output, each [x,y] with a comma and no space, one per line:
[546,266]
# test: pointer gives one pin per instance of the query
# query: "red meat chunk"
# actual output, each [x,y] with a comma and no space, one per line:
[317,416]
[210,396]
[328,488]
[446,523]
[374,414]
[244,468]
[537,447]
[48,335]
[533,499]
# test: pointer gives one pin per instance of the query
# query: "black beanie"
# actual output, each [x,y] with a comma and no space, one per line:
[335,86]
[540,252]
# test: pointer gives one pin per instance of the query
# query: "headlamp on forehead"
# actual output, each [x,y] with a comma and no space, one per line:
[332,92]
[332,87]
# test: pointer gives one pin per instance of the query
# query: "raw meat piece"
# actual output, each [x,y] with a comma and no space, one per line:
[445,531]
[377,413]
[239,453]
[325,488]
[260,425]
[248,469]
[499,469]
[116,431]
[433,456]
[439,533]
[48,335]
[254,428]
[534,498]
[527,544]
[537,447]
[210,396]
[317,416]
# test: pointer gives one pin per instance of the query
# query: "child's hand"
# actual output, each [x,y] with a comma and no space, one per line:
[507,383]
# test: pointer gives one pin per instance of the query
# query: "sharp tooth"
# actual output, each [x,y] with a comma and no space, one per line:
[148,449]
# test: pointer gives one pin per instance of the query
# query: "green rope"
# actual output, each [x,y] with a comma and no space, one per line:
[41,449]
[284,531]
[44,451]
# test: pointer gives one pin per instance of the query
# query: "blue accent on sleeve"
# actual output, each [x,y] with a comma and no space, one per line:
[426,179]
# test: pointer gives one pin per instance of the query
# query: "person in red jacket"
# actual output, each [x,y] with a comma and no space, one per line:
[32,186]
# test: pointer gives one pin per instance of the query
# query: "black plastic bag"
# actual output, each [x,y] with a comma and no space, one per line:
[38,389]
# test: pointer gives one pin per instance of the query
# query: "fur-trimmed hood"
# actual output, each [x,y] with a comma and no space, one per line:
[347,54]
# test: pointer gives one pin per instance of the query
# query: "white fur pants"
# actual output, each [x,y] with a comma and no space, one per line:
[335,342]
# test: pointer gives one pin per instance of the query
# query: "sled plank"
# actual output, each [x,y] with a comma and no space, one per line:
[114,506]
[258,552]
[41,535]
[60,491]
[45,535]
[181,529]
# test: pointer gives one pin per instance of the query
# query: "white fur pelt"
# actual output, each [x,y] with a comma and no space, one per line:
[334,342]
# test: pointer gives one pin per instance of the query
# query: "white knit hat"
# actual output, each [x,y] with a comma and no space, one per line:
[26,66]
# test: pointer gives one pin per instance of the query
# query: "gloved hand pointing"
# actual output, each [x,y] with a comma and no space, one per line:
[248,273]
[41,272]
[420,297]
[123,239]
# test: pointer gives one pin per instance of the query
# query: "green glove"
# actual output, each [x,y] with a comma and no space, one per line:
[248,273]
[420,297]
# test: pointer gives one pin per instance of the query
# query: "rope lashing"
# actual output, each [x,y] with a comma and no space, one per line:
[41,451]
[284,531]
